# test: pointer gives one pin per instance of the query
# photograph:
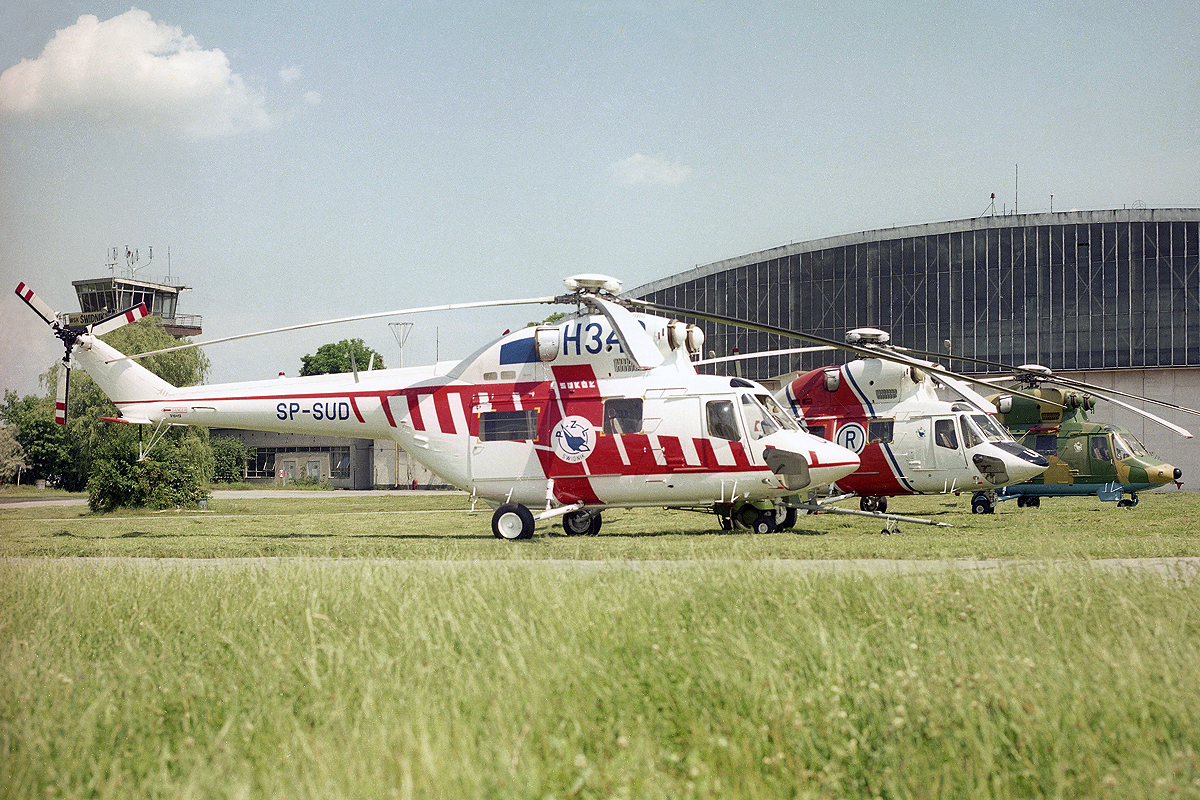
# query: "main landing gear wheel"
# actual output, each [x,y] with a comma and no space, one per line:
[1128,502]
[581,523]
[873,503]
[785,518]
[764,523]
[1028,502]
[982,504]
[512,521]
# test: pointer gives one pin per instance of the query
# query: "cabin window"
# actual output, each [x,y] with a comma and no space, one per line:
[944,435]
[722,422]
[508,426]
[970,437]
[879,431]
[1046,444]
[623,415]
[1099,448]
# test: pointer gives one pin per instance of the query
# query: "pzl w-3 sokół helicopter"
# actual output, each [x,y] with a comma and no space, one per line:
[602,410]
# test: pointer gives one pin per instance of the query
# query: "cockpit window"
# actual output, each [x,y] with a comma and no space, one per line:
[991,431]
[722,421]
[944,435]
[1119,448]
[971,436]
[759,421]
[1132,444]
[785,420]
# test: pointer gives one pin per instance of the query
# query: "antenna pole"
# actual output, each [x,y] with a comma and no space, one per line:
[1017,188]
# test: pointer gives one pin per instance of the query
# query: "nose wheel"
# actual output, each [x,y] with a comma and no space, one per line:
[983,503]
[581,523]
[873,503]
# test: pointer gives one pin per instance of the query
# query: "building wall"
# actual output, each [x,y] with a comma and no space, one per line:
[1076,290]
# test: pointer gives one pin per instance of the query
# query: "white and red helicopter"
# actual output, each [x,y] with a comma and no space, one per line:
[601,410]
[916,427]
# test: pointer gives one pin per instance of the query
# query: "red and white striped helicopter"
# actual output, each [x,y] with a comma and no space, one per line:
[601,410]
[916,427]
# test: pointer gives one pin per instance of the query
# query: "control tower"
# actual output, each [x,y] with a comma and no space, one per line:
[102,297]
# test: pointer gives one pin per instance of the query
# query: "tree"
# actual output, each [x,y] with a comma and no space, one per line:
[335,358]
[12,455]
[229,459]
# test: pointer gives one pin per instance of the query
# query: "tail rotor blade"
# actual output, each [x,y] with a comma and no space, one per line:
[120,319]
[39,306]
[63,393]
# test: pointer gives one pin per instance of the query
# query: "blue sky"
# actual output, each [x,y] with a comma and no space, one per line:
[307,161]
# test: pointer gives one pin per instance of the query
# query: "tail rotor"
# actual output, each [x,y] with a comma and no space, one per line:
[69,335]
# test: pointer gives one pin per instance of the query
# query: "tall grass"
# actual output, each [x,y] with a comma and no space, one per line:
[530,680]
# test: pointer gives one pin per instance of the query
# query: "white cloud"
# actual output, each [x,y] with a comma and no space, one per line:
[133,71]
[312,98]
[643,169]
[290,74]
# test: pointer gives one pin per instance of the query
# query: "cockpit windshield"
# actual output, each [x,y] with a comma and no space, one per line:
[764,416]
[991,431]
[1126,445]
[785,420]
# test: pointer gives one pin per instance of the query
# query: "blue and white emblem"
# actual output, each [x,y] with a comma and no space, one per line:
[573,439]
[852,436]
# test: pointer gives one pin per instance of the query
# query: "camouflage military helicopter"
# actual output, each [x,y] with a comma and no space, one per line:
[1086,457]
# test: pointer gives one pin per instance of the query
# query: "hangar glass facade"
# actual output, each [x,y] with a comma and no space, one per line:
[1071,291]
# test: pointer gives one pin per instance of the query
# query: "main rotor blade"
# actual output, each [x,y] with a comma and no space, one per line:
[118,320]
[633,336]
[763,354]
[62,393]
[376,315]
[867,352]
[1168,425]
[39,306]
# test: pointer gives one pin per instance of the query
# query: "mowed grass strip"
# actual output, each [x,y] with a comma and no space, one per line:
[349,679]
[442,527]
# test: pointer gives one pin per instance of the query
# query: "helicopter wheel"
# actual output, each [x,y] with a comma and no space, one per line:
[1128,502]
[512,521]
[764,523]
[1033,502]
[873,503]
[982,504]
[784,518]
[581,523]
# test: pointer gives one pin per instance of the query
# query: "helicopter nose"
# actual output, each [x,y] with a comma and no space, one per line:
[1021,463]
[1163,474]
[801,460]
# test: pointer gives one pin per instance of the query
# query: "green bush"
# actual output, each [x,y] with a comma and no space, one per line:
[165,479]
[230,457]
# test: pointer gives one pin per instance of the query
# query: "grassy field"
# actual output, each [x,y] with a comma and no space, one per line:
[669,660]
[440,526]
